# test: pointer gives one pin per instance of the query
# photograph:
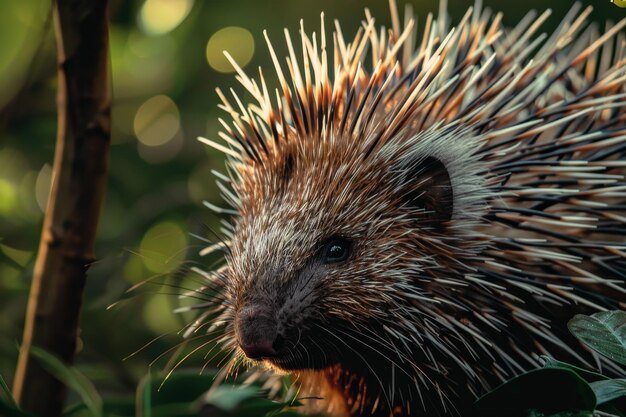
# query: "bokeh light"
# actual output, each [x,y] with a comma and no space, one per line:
[163,247]
[29,210]
[122,119]
[161,16]
[17,184]
[157,121]
[8,197]
[237,41]
[42,186]
[141,65]
[154,318]
[134,269]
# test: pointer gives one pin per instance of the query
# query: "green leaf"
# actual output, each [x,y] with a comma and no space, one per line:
[19,258]
[591,377]
[119,407]
[144,396]
[229,398]
[535,413]
[585,374]
[544,391]
[259,406]
[7,410]
[74,409]
[181,386]
[604,332]
[237,401]
[176,396]
[609,390]
[8,393]
[610,410]
[4,258]
[9,407]
[71,378]
[174,410]
[124,407]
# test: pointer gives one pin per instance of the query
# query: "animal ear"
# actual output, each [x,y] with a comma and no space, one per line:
[429,188]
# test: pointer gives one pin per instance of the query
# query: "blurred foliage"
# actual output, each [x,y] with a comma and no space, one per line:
[165,63]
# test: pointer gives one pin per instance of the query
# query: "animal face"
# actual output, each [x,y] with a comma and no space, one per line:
[328,245]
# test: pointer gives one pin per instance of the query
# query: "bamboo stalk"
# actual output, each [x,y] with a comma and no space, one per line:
[78,185]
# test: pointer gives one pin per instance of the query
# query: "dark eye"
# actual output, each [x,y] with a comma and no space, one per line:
[337,250]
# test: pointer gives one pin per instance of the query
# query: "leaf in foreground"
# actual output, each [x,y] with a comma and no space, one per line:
[609,389]
[545,391]
[587,375]
[604,332]
[7,392]
[71,378]
[246,401]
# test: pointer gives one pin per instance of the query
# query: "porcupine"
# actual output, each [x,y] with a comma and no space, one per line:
[416,217]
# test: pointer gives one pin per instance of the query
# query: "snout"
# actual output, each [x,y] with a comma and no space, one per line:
[257,333]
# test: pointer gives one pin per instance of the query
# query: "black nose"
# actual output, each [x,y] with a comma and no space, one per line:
[256,333]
